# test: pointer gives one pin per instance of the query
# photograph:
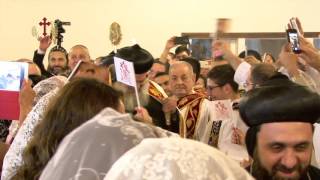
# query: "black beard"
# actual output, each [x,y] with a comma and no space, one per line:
[260,173]
[57,70]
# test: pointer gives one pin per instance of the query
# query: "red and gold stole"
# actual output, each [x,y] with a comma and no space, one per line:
[193,104]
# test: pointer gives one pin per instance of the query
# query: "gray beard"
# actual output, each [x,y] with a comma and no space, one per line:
[129,96]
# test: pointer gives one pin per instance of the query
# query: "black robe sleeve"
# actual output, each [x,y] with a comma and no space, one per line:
[38,60]
[154,109]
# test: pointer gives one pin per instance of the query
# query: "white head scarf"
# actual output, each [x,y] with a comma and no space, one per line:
[47,85]
[90,150]
[175,159]
[45,91]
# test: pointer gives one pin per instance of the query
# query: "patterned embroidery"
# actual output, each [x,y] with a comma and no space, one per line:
[214,134]
[175,158]
[4,129]
[188,99]
[189,123]
[235,106]
[89,151]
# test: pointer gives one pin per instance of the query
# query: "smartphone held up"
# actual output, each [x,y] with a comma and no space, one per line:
[293,33]
[182,40]
[293,39]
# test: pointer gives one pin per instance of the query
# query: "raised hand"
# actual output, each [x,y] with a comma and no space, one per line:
[309,53]
[222,47]
[45,42]
[289,60]
[170,43]
[169,104]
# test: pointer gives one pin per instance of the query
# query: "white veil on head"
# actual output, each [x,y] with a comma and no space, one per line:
[175,158]
[45,90]
[89,151]
[47,85]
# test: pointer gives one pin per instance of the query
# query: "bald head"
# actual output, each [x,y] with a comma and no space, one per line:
[181,79]
[181,65]
[76,53]
[33,69]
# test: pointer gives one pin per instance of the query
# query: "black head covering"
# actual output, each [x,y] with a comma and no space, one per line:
[61,49]
[141,58]
[250,52]
[277,100]
[107,60]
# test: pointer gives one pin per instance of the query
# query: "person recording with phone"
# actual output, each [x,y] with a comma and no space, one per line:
[181,51]
[288,62]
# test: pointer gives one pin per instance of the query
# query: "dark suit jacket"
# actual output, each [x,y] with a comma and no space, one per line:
[38,60]
[154,109]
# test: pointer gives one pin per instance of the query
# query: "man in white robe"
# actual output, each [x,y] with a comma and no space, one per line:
[225,131]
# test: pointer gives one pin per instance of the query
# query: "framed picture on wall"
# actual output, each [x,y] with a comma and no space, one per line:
[200,48]
[261,42]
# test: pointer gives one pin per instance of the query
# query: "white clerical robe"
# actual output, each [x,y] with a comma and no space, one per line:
[234,151]
[222,129]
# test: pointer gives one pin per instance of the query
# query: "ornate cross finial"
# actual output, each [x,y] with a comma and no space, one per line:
[44,23]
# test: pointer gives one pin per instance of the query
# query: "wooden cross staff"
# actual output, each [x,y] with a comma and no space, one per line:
[44,23]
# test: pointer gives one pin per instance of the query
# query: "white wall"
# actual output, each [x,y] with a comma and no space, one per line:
[151,22]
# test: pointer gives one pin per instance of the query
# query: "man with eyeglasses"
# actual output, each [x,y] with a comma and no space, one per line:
[230,132]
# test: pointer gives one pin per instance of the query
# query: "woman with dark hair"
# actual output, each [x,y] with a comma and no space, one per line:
[67,111]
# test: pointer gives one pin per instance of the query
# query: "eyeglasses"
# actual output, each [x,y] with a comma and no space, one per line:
[247,84]
[210,88]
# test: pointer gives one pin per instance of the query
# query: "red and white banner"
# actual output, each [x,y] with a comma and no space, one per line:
[11,78]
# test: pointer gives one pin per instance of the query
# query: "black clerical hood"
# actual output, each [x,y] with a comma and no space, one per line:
[141,58]
[59,48]
[107,60]
[280,100]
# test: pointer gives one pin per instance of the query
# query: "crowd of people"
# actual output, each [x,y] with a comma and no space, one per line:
[244,116]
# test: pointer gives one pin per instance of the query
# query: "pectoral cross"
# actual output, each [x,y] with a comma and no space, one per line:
[44,23]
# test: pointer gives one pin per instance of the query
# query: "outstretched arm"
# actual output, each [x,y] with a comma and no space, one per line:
[39,54]
[170,44]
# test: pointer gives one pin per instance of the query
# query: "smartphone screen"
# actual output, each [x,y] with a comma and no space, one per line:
[294,40]
[181,40]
